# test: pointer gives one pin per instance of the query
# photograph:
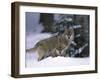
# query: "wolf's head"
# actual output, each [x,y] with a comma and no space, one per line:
[69,34]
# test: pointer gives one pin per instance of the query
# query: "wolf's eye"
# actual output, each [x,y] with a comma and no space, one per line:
[69,34]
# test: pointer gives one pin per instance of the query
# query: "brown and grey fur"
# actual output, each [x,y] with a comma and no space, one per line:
[54,46]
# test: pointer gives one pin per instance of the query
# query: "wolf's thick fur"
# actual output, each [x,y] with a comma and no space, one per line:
[54,46]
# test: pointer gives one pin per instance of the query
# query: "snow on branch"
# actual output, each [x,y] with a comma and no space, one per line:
[77,26]
[78,51]
[78,35]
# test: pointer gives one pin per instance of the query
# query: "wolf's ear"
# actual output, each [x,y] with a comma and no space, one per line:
[65,31]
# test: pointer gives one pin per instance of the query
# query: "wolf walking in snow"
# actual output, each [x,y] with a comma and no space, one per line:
[54,46]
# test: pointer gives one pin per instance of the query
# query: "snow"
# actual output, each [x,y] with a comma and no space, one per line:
[77,26]
[55,61]
[78,35]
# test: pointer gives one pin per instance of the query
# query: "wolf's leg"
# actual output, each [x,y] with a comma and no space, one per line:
[54,53]
[41,54]
[64,53]
[47,54]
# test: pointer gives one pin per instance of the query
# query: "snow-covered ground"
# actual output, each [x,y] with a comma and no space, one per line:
[54,62]
[31,58]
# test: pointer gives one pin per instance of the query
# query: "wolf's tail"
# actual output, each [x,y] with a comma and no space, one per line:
[31,49]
